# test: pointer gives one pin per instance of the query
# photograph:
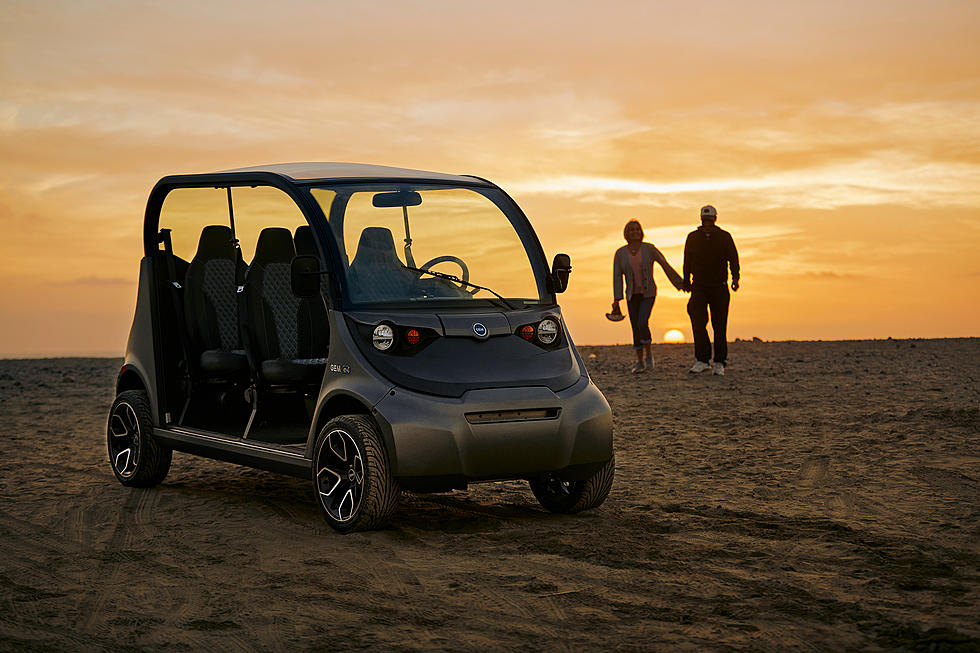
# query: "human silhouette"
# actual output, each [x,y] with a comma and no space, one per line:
[708,253]
[633,262]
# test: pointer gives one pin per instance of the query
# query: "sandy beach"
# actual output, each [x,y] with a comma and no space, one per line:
[820,496]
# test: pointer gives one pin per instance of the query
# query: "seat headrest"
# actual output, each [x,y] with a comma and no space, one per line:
[376,240]
[215,242]
[303,240]
[275,245]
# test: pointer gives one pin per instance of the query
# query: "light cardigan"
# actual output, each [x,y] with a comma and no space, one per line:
[648,288]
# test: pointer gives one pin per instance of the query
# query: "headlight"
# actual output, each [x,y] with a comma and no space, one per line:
[547,331]
[383,337]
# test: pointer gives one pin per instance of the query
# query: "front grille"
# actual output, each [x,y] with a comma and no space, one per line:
[526,415]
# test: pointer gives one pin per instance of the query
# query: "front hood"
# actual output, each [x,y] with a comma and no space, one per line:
[458,359]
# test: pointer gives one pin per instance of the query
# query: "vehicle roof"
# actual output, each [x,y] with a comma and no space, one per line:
[288,177]
[329,170]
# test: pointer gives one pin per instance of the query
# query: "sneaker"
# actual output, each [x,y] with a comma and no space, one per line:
[718,369]
[637,368]
[649,362]
[699,367]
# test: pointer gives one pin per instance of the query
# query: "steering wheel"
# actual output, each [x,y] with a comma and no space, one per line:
[462,266]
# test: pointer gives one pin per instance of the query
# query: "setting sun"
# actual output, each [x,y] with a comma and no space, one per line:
[674,335]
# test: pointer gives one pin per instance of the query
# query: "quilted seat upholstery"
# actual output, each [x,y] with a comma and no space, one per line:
[210,304]
[288,335]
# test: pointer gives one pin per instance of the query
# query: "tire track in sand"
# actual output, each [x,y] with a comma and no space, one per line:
[28,577]
[133,524]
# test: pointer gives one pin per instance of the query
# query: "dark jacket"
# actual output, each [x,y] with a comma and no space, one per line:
[708,253]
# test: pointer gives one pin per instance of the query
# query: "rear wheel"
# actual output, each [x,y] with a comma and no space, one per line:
[567,497]
[352,480]
[136,458]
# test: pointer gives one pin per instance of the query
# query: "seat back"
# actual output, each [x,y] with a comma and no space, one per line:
[281,325]
[376,273]
[306,246]
[304,243]
[210,300]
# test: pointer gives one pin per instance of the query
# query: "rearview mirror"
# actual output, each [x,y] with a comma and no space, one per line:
[304,276]
[561,267]
[398,198]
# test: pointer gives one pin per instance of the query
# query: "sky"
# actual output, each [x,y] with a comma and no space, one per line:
[839,141]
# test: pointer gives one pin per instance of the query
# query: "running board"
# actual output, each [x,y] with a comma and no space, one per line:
[235,450]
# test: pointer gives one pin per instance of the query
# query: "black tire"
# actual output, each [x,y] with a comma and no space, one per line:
[568,497]
[352,481]
[135,456]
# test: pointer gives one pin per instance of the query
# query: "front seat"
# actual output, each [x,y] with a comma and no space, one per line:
[287,334]
[306,246]
[211,305]
[303,240]
[376,273]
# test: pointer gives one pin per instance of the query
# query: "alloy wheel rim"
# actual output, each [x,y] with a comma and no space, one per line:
[124,440]
[340,475]
[558,487]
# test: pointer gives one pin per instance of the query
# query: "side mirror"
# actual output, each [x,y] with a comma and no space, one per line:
[561,267]
[304,276]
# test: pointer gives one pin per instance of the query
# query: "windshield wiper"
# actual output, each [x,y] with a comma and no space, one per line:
[455,279]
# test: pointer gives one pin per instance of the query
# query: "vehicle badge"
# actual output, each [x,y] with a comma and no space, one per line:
[480,330]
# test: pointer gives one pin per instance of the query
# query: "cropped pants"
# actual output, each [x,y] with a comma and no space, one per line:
[639,308]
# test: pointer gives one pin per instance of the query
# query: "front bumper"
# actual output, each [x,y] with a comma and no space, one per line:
[495,433]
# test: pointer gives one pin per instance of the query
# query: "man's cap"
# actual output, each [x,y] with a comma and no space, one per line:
[709,212]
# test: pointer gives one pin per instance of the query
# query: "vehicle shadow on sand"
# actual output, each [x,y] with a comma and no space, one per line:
[290,499]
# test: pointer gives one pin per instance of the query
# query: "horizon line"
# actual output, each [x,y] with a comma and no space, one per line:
[35,356]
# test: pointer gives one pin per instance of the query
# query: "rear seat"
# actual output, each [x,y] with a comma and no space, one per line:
[210,305]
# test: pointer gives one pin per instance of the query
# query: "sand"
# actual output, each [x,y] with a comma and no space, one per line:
[820,496]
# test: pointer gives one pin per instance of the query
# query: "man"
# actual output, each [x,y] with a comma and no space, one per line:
[708,253]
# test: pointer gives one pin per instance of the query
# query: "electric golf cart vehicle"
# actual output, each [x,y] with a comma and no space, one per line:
[369,328]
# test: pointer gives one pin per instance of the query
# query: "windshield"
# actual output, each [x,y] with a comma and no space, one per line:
[461,234]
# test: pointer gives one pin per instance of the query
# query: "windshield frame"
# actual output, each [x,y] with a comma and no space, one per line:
[503,202]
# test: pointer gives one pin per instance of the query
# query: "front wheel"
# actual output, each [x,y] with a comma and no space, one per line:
[352,479]
[568,497]
[137,459]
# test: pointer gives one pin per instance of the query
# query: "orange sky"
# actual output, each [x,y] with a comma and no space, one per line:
[839,141]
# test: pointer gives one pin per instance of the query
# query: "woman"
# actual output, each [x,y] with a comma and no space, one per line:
[634,262]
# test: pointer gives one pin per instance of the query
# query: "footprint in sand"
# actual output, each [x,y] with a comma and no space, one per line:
[815,470]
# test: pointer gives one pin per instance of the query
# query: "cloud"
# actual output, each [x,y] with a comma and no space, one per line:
[881,178]
[96,281]
[58,182]
[813,275]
